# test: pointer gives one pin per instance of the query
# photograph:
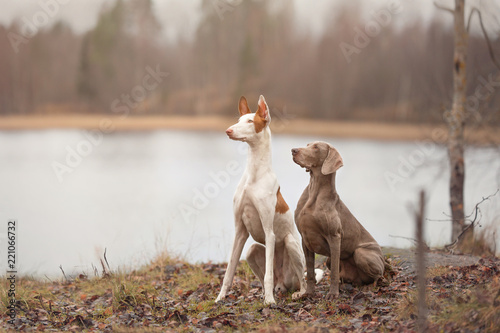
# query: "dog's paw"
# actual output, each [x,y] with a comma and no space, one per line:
[298,294]
[331,296]
[280,288]
[220,298]
[269,301]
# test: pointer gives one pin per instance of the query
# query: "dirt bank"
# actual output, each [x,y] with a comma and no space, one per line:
[405,259]
[339,129]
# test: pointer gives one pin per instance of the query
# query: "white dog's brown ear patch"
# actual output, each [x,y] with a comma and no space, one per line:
[281,205]
[243,106]
[332,162]
[262,117]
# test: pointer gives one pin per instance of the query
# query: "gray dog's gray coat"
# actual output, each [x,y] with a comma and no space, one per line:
[329,228]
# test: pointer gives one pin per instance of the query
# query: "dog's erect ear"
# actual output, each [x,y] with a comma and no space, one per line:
[332,162]
[243,106]
[263,110]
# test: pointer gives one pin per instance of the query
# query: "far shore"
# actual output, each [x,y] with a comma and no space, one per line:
[321,128]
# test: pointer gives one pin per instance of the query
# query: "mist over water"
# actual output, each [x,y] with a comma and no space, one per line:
[136,194]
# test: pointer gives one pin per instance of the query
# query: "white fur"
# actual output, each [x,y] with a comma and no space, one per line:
[319,274]
[254,214]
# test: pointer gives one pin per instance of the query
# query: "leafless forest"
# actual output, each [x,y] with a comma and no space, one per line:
[399,73]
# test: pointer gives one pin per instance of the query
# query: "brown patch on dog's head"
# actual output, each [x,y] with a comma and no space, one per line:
[259,123]
[281,205]
[262,117]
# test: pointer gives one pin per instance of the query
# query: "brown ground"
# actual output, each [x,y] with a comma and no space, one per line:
[341,129]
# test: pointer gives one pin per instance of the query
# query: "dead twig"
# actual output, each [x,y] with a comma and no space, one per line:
[414,240]
[106,270]
[443,7]
[476,212]
[64,274]
[421,280]
[106,259]
[485,34]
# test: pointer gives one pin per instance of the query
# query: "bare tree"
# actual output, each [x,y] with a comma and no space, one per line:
[456,121]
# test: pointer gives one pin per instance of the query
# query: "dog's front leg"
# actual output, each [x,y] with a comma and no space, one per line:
[267,220]
[239,241]
[311,278]
[334,243]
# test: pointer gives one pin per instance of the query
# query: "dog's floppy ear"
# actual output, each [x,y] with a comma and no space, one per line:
[332,162]
[243,106]
[263,110]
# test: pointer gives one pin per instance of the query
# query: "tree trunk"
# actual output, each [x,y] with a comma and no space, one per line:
[456,122]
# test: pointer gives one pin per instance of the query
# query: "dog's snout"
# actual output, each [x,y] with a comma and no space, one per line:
[229,131]
[295,151]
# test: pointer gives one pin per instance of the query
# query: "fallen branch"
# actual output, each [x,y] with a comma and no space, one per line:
[415,241]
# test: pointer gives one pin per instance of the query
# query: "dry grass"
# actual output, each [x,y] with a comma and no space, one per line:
[165,288]
[473,308]
[483,242]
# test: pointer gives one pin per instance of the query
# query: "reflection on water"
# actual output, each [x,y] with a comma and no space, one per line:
[139,193]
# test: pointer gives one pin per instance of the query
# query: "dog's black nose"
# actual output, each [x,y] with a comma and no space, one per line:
[295,151]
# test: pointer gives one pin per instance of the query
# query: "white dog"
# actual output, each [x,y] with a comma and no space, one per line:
[260,210]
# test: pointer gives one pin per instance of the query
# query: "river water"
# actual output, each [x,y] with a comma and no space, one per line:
[137,194]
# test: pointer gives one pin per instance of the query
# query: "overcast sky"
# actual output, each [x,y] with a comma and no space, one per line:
[181,16]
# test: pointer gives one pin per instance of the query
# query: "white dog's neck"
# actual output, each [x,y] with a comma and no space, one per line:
[259,154]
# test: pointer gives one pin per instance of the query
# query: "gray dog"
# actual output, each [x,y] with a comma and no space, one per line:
[328,227]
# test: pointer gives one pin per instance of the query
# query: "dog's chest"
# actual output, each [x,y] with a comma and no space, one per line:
[316,226]
[246,211]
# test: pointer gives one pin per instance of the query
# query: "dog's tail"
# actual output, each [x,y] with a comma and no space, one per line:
[319,274]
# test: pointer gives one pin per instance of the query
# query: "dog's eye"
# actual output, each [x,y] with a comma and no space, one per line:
[249,121]
[315,147]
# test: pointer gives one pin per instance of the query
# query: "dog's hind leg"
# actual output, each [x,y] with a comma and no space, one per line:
[256,258]
[370,264]
[349,272]
[295,270]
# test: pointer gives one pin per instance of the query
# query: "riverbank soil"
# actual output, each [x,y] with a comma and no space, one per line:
[479,135]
